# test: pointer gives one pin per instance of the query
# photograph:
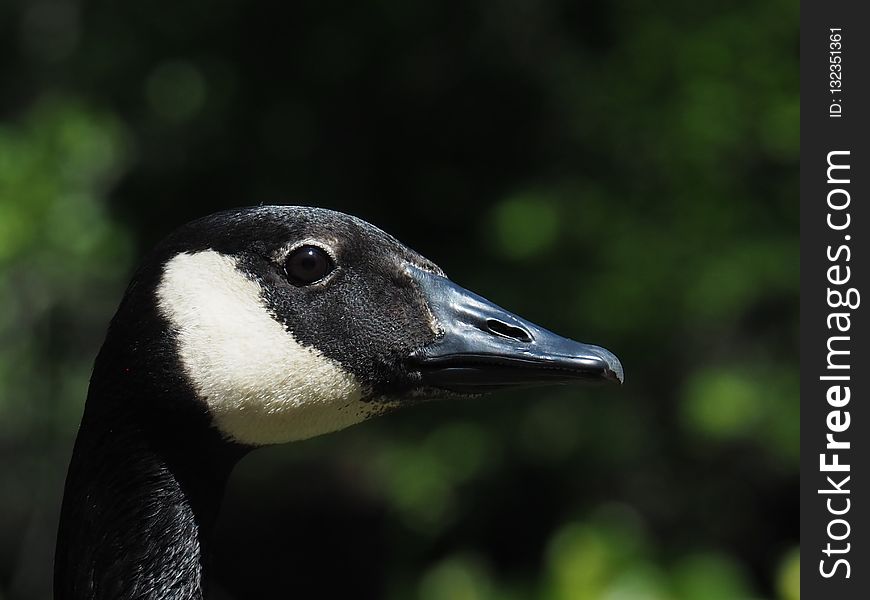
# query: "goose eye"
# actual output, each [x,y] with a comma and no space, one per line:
[308,264]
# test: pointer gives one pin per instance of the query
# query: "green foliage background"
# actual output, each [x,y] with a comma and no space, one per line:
[623,173]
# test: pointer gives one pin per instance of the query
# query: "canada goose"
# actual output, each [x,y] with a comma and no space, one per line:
[260,326]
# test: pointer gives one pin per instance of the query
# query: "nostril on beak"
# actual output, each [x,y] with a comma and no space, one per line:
[503,329]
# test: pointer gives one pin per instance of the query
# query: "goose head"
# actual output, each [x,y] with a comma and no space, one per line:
[286,323]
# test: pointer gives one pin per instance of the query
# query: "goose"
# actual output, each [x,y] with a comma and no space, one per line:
[261,326]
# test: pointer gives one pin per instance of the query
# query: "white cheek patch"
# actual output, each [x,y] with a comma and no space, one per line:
[261,386]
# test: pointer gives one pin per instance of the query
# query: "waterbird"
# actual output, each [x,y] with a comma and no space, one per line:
[260,326]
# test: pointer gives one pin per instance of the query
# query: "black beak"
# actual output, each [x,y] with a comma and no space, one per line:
[484,347]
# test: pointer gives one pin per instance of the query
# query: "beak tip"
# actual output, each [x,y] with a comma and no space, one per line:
[611,367]
[616,376]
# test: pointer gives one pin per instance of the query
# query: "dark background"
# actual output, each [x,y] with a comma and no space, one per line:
[623,173]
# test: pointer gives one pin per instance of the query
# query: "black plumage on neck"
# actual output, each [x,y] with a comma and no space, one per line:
[141,499]
[147,474]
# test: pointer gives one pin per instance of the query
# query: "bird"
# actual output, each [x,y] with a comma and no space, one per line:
[260,326]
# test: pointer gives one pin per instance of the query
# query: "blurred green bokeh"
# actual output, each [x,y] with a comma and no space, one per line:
[623,173]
